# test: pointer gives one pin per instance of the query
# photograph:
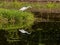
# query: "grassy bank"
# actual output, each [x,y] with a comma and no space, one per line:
[18,5]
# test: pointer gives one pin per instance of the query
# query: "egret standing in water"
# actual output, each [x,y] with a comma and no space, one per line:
[23,31]
[25,8]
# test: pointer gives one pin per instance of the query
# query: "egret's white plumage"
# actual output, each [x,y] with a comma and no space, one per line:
[25,8]
[23,31]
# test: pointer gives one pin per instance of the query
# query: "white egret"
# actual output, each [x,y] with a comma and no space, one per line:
[23,31]
[25,8]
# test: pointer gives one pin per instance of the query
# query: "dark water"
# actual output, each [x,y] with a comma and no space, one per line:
[49,35]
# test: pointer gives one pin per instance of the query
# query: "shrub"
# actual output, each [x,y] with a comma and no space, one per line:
[14,19]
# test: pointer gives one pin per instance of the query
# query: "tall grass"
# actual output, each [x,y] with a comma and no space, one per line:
[18,5]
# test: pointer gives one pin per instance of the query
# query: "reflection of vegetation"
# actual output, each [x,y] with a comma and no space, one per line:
[49,33]
[3,37]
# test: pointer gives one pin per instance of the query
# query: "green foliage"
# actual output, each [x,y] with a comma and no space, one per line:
[51,5]
[13,5]
[18,5]
[14,19]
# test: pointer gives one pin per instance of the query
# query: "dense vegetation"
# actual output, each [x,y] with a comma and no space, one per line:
[12,19]
[18,5]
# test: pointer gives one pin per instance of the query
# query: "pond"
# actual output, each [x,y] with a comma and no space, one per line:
[49,35]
